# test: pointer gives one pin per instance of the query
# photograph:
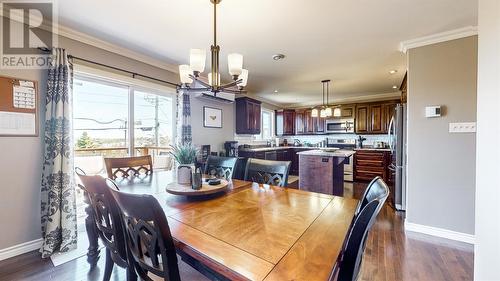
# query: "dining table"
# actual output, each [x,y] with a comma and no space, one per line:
[249,232]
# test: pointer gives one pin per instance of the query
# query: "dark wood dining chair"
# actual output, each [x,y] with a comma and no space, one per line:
[376,189]
[220,166]
[126,167]
[149,242]
[108,221]
[349,263]
[267,171]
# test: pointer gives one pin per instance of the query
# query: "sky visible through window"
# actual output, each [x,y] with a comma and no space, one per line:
[100,114]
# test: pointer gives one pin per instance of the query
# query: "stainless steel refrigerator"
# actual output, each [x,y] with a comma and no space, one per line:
[397,144]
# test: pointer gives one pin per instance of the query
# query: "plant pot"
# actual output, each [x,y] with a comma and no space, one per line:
[184,173]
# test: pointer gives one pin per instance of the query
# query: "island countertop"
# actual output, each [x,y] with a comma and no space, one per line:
[322,153]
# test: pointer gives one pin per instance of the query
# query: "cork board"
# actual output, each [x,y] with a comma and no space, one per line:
[19,101]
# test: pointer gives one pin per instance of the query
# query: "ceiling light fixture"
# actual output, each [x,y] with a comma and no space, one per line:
[394,87]
[393,71]
[191,73]
[275,91]
[278,57]
[324,110]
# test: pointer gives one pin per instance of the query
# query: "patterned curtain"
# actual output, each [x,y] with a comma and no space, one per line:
[185,111]
[59,231]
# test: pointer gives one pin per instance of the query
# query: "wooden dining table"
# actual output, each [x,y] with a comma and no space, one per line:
[250,233]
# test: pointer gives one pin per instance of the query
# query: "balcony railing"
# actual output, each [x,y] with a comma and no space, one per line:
[91,160]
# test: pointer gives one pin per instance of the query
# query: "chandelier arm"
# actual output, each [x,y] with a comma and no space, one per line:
[232,84]
[196,89]
[233,91]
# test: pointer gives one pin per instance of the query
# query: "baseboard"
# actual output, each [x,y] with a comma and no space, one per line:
[440,232]
[20,249]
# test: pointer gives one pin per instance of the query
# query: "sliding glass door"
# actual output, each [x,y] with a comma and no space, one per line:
[112,119]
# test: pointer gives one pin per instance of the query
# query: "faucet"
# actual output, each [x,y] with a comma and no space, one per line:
[296,142]
[269,143]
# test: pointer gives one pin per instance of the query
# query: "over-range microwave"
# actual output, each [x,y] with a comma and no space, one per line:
[340,126]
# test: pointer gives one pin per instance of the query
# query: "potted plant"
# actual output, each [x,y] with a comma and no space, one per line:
[185,156]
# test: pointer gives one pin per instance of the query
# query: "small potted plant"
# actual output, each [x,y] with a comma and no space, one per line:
[185,156]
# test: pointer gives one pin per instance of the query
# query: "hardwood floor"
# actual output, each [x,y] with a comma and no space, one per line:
[391,254]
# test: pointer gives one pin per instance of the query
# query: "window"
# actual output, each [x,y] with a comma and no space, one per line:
[267,128]
[113,119]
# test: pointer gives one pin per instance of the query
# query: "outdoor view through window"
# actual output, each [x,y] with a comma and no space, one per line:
[103,117]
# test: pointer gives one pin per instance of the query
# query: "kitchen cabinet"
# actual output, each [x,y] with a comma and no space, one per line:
[319,125]
[248,116]
[347,111]
[285,122]
[308,122]
[300,126]
[374,118]
[369,164]
[362,119]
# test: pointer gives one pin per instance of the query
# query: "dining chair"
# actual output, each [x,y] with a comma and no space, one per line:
[377,188]
[349,262]
[108,221]
[267,171]
[220,166]
[125,167]
[150,246]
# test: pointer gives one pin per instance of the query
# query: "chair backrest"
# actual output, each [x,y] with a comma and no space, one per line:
[267,171]
[376,189]
[352,255]
[125,167]
[149,242]
[220,166]
[106,214]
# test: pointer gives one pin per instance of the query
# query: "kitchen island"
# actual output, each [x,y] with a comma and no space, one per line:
[323,171]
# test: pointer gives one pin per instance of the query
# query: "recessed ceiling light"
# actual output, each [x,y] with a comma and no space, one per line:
[275,91]
[278,57]
[393,71]
[394,87]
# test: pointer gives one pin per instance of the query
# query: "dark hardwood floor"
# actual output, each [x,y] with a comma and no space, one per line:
[391,254]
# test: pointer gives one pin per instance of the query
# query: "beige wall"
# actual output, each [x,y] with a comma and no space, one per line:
[20,160]
[487,247]
[441,165]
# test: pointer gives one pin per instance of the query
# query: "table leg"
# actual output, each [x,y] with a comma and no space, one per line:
[93,250]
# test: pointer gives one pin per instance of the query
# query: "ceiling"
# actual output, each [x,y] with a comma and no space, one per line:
[355,43]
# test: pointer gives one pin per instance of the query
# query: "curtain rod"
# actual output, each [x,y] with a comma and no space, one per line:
[134,74]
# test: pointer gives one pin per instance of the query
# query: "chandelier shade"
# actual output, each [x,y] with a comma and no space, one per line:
[197,58]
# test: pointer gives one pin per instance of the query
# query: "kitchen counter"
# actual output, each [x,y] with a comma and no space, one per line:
[368,148]
[335,152]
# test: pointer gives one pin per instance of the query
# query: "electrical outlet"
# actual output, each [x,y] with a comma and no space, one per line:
[464,127]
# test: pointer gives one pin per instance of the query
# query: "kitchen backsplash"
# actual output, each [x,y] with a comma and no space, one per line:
[370,139]
[313,139]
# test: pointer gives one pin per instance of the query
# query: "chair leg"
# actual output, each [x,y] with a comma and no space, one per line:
[131,275]
[108,269]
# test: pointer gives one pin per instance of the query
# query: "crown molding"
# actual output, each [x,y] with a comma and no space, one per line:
[113,48]
[467,31]
[73,34]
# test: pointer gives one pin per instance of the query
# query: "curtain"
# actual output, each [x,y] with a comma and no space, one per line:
[185,111]
[58,203]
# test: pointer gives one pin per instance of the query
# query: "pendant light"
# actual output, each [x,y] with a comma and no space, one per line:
[324,111]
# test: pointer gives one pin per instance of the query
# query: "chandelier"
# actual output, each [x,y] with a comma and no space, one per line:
[324,111]
[191,73]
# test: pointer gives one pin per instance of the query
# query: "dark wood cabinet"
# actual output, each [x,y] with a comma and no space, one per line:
[285,122]
[308,122]
[319,125]
[299,123]
[371,163]
[362,119]
[347,111]
[376,119]
[248,118]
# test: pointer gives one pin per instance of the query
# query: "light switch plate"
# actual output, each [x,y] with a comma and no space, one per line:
[464,127]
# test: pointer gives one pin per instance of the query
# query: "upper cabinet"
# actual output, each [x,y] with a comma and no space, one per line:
[300,125]
[285,122]
[347,111]
[374,118]
[248,116]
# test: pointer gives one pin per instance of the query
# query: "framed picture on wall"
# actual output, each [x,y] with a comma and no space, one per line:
[212,117]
